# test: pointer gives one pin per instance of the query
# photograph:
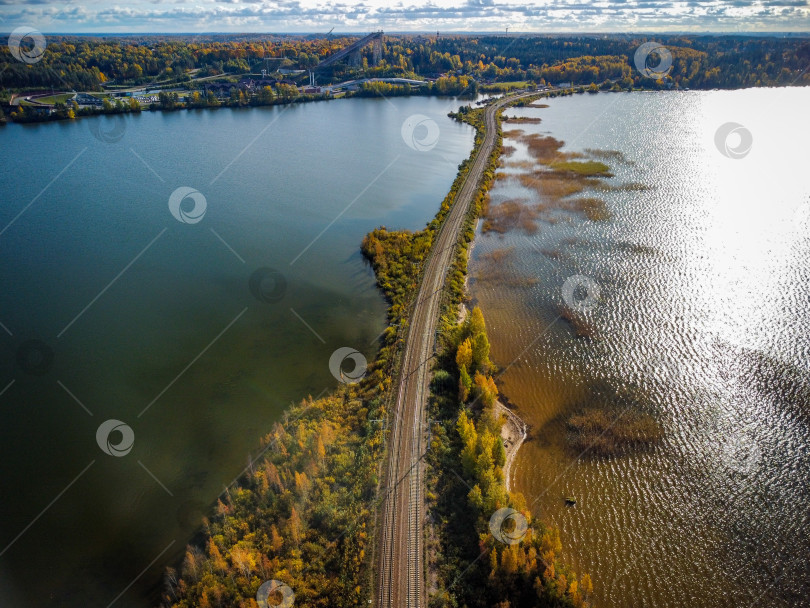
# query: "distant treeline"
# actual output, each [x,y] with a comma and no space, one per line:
[445,85]
[698,61]
[85,63]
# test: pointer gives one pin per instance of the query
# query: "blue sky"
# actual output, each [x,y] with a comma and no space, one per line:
[405,15]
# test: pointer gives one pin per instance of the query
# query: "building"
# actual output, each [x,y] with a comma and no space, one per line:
[253,85]
[219,89]
[83,99]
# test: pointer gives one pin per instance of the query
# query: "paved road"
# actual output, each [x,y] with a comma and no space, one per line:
[401,567]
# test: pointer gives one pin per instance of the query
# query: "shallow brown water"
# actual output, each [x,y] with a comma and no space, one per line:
[701,321]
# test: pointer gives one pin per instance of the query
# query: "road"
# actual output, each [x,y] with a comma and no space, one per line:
[401,556]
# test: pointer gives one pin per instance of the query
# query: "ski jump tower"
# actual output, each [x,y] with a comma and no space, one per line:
[352,52]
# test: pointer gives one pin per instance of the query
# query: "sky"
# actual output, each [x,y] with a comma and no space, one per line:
[520,16]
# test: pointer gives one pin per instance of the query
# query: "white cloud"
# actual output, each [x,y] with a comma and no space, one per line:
[407,15]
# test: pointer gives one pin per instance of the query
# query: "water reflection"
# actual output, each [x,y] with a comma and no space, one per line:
[702,323]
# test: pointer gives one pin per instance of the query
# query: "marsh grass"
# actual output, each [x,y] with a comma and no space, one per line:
[511,215]
[523,120]
[586,168]
[637,248]
[609,155]
[627,187]
[582,326]
[520,164]
[505,279]
[553,186]
[499,255]
[557,177]
[612,431]
[545,149]
[595,209]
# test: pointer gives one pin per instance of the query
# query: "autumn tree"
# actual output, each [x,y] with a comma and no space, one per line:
[485,389]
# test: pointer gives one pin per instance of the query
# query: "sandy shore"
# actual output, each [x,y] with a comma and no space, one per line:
[514,433]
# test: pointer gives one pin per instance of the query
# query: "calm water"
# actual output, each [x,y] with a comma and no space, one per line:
[180,328]
[703,321]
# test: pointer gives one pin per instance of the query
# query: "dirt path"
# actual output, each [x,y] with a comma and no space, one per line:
[514,432]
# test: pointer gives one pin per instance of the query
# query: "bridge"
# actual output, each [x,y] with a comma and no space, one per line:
[353,51]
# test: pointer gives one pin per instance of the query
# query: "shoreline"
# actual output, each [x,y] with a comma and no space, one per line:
[42,113]
[514,432]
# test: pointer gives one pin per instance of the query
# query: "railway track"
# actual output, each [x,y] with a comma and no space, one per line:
[401,555]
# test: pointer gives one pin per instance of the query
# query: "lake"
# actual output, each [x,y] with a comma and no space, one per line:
[697,289]
[186,276]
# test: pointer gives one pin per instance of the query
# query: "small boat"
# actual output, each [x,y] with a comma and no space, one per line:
[570,501]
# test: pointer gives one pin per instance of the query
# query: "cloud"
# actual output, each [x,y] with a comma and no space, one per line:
[407,15]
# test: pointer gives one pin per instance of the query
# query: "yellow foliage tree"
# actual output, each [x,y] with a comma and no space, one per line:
[476,323]
[508,561]
[214,554]
[486,389]
[464,355]
[586,585]
[294,524]
[276,541]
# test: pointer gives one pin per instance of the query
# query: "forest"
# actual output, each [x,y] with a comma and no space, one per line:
[88,63]
[301,515]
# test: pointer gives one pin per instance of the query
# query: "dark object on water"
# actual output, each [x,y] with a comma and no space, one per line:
[570,501]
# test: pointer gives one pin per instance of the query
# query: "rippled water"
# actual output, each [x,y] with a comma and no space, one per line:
[294,188]
[702,321]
